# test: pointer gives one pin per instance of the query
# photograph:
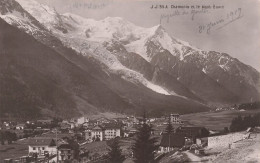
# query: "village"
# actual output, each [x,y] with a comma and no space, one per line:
[87,140]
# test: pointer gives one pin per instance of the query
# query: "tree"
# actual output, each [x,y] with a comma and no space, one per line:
[2,137]
[115,154]
[144,145]
[52,143]
[169,129]
[226,130]
[75,147]
[10,137]
[236,124]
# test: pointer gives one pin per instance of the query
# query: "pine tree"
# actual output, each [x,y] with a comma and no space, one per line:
[144,145]
[115,155]
[75,147]
[169,129]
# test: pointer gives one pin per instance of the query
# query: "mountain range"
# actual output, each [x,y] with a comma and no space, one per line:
[67,65]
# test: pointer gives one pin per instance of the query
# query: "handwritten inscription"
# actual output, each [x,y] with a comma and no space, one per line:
[193,13]
[91,5]
[222,22]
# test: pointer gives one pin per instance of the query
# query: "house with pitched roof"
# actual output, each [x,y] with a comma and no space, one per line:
[170,142]
[42,146]
[65,152]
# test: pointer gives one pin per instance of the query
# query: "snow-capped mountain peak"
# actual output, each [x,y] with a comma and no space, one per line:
[87,37]
[46,15]
[13,13]
[43,13]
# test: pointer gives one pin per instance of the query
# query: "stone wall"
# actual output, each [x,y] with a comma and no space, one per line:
[225,140]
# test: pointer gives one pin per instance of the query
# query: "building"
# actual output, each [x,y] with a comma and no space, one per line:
[112,131]
[65,152]
[85,125]
[105,132]
[192,132]
[175,118]
[45,122]
[88,136]
[20,126]
[81,121]
[171,141]
[97,133]
[65,126]
[6,126]
[221,140]
[42,146]
[103,120]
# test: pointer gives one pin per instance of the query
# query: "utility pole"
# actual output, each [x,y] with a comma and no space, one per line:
[169,141]
[57,147]
[169,136]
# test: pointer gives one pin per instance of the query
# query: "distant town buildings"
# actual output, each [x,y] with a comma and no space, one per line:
[90,136]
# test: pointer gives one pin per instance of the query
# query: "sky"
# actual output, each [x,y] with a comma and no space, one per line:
[232,28]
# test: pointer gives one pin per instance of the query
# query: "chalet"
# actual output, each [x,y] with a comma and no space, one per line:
[171,141]
[65,152]
[192,132]
[42,146]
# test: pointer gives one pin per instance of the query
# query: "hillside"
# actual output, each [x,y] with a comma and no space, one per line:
[67,65]
[36,79]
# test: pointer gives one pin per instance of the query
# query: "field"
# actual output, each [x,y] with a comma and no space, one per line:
[14,150]
[215,120]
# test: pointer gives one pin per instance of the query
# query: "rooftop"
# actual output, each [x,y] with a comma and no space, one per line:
[172,140]
[41,141]
[64,146]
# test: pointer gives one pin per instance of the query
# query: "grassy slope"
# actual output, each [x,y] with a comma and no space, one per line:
[216,120]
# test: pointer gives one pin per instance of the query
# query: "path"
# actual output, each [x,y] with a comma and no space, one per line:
[192,157]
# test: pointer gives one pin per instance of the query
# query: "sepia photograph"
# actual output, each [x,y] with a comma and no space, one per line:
[129,81]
